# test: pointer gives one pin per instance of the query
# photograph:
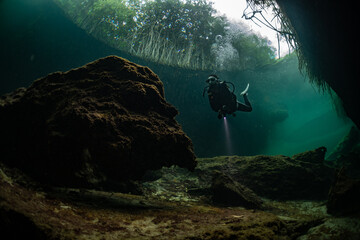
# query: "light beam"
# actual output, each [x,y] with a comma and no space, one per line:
[228,142]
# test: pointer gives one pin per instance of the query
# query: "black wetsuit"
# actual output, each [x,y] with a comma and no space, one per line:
[223,101]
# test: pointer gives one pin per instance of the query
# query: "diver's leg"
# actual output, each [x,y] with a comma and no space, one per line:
[244,107]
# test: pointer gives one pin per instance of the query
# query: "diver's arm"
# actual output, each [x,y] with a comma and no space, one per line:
[205,90]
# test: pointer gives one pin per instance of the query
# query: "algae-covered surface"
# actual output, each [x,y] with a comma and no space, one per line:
[63,213]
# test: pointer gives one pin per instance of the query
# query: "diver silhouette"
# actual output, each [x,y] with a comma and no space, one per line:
[222,100]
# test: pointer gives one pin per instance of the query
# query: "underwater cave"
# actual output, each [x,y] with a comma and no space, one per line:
[108,131]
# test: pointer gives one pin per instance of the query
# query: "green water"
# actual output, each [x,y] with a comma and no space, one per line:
[289,115]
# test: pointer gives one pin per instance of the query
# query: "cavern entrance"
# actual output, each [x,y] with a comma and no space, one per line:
[183,42]
[253,44]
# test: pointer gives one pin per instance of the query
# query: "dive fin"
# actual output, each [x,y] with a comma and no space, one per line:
[245,91]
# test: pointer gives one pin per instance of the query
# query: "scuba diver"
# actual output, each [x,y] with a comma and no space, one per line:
[222,100]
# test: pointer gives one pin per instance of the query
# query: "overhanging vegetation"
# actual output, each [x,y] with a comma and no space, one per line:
[171,32]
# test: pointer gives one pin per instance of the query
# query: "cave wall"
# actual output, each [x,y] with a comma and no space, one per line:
[326,32]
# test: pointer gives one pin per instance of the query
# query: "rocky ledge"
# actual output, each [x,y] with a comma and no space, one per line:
[302,176]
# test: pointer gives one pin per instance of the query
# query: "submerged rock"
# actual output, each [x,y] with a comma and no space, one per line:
[228,192]
[244,180]
[107,121]
[303,176]
[344,195]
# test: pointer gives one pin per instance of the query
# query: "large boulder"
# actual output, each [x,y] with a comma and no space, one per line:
[107,121]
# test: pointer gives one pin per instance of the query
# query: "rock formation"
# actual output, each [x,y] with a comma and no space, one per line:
[105,122]
[303,176]
[344,196]
[228,192]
